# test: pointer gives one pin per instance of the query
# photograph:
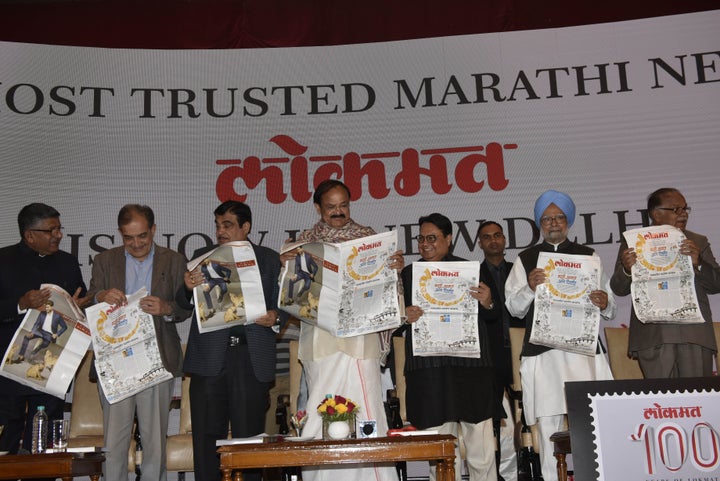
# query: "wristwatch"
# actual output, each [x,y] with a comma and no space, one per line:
[490,307]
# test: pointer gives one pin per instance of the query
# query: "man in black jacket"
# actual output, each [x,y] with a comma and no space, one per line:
[35,260]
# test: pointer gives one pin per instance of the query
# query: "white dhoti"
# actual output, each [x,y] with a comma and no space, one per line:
[359,381]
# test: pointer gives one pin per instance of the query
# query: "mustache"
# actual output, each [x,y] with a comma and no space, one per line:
[337,216]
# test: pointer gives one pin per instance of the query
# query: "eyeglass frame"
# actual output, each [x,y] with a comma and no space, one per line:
[53,231]
[497,235]
[548,220]
[430,238]
[676,210]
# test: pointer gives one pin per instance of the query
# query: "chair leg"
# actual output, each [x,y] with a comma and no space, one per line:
[561,466]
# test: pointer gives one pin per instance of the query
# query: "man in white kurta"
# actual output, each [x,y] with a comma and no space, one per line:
[350,366]
[544,370]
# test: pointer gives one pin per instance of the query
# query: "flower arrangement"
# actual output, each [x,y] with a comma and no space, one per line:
[337,408]
[298,421]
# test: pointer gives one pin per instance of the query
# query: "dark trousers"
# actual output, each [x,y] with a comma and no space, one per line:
[234,395]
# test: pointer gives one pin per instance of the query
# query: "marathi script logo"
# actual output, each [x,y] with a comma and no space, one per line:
[445,167]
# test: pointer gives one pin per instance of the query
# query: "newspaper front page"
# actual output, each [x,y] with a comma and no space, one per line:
[449,324]
[347,289]
[49,345]
[232,293]
[663,280]
[127,357]
[564,317]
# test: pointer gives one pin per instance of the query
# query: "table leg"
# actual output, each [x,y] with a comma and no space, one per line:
[95,477]
[561,466]
[238,475]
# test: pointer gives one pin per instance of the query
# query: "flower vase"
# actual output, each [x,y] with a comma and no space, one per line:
[337,429]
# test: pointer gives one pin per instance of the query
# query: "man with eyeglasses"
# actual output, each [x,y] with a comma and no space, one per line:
[452,394]
[494,271]
[667,350]
[35,260]
[545,370]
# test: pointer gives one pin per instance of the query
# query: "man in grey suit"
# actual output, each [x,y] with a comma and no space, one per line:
[667,350]
[232,370]
[124,270]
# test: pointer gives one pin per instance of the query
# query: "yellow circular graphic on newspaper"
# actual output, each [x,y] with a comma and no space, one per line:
[440,291]
[364,267]
[658,258]
[564,282]
[120,331]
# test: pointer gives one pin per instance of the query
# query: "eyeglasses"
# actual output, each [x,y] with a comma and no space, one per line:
[677,210]
[53,231]
[430,238]
[547,220]
[487,237]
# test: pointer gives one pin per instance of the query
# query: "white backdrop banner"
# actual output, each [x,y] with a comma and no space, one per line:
[474,127]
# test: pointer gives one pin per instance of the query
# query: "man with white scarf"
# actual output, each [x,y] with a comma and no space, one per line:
[346,366]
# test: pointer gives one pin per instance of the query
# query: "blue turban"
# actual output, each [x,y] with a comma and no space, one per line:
[560,199]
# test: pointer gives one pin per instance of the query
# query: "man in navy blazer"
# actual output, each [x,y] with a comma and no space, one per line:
[57,327]
[216,275]
[232,370]
[305,270]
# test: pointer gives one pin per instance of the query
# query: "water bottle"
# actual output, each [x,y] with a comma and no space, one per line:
[39,431]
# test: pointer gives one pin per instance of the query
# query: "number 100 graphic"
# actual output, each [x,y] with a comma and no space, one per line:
[670,445]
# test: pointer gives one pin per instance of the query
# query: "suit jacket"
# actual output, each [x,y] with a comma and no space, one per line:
[205,353]
[310,264]
[167,277]
[707,281]
[57,324]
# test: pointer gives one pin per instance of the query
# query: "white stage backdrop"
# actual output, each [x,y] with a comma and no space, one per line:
[474,127]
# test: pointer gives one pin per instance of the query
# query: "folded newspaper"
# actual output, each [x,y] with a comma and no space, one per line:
[347,289]
[49,345]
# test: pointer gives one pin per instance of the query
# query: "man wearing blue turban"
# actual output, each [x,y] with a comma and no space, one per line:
[545,370]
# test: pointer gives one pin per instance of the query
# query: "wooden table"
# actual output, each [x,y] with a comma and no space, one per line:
[59,465]
[438,447]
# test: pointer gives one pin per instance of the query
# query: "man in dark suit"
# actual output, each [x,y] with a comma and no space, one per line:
[57,327]
[493,272]
[232,369]
[122,271]
[667,350]
[216,275]
[35,260]
[305,270]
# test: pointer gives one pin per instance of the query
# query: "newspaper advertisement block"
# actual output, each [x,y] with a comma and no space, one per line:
[663,280]
[449,324]
[347,289]
[127,357]
[232,293]
[565,318]
[49,345]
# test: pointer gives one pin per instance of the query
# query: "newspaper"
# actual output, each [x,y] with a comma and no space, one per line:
[347,289]
[49,345]
[127,357]
[565,318]
[449,324]
[232,293]
[663,280]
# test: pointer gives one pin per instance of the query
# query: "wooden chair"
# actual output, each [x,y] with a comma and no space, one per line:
[517,336]
[86,417]
[179,449]
[622,365]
